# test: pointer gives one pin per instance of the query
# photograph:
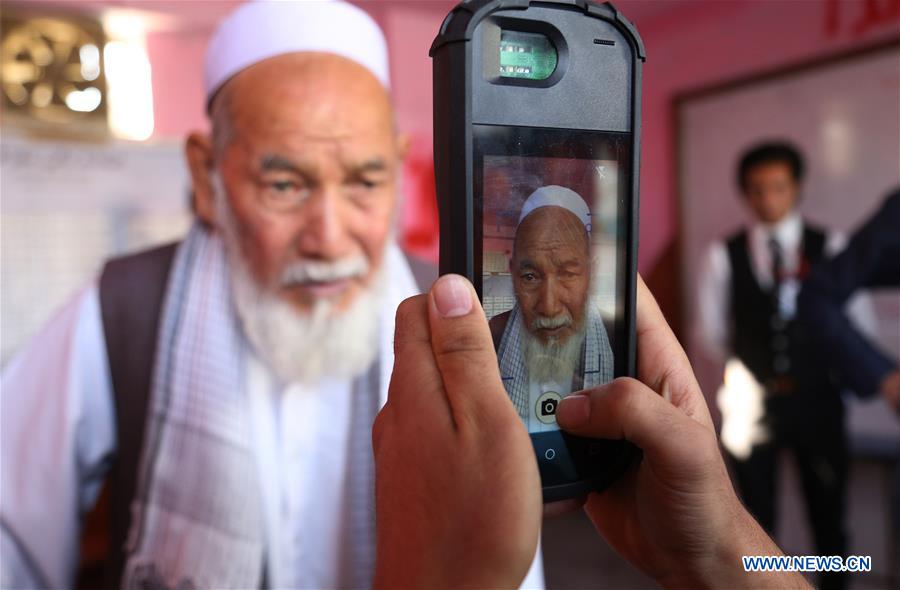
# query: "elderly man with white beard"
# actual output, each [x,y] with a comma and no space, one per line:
[226,386]
[553,341]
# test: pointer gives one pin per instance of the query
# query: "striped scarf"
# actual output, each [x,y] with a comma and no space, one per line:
[197,518]
[597,362]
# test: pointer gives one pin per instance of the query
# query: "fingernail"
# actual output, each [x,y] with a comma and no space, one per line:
[573,411]
[452,296]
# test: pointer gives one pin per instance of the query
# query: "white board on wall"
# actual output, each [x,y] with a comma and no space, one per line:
[67,206]
[844,114]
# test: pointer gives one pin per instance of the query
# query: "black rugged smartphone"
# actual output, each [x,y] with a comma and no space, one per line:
[536,145]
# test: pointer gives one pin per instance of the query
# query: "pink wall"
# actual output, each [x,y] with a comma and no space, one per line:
[689,44]
[714,42]
[176,59]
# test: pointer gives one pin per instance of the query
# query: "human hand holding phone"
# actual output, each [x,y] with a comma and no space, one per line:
[457,491]
[675,515]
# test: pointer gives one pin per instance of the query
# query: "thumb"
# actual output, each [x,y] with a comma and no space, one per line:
[464,352]
[628,409]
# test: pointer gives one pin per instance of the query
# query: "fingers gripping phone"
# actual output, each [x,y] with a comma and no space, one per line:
[536,142]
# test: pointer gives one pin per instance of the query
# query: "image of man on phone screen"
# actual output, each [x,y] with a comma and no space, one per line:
[553,341]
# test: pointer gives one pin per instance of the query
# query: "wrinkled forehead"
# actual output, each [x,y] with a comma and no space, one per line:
[313,95]
[551,229]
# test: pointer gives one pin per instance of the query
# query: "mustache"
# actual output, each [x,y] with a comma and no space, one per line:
[562,320]
[313,271]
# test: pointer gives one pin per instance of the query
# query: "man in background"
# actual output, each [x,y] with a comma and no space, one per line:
[777,392]
[553,341]
[227,385]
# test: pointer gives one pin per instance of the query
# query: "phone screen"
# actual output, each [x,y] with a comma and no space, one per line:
[553,267]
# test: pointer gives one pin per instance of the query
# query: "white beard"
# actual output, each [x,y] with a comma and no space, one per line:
[303,347]
[551,362]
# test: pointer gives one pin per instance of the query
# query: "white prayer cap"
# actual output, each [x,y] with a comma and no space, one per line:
[268,28]
[557,196]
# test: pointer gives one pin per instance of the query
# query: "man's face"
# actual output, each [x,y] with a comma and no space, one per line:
[551,273]
[771,191]
[309,164]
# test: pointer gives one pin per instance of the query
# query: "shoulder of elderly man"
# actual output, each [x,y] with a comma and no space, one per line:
[58,435]
[498,325]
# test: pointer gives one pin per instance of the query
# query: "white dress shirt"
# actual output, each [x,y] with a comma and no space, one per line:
[58,433]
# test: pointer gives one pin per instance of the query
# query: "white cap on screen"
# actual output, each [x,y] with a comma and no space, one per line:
[263,29]
[557,196]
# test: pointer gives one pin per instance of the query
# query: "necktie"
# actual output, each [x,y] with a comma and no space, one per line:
[777,263]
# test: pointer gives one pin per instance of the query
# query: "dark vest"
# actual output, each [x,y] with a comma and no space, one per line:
[132,289]
[776,351]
